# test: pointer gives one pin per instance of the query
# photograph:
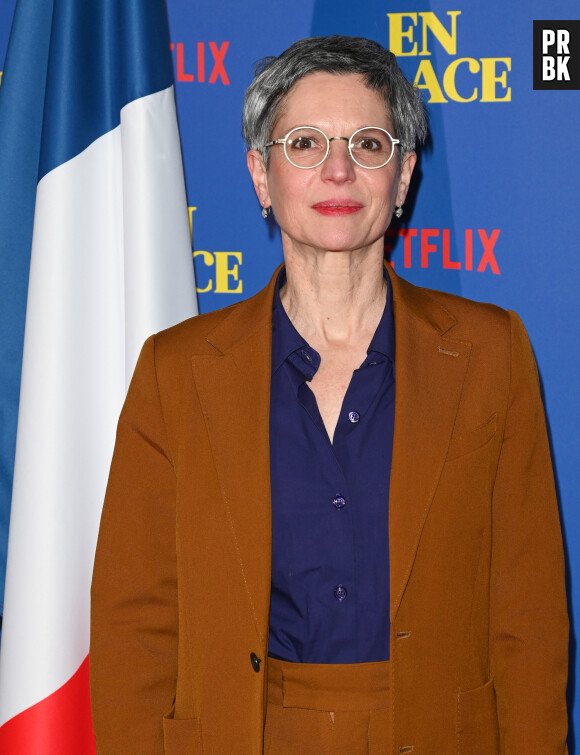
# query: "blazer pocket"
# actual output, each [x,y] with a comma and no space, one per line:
[472,440]
[182,736]
[477,724]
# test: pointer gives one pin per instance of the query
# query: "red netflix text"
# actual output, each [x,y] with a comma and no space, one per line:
[192,63]
[430,247]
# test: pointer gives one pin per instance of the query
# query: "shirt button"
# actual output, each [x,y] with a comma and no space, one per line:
[353,417]
[339,502]
[340,593]
[306,355]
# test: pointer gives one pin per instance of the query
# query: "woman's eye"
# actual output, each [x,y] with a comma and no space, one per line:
[368,144]
[303,142]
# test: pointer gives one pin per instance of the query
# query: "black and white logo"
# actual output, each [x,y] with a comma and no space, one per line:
[556,54]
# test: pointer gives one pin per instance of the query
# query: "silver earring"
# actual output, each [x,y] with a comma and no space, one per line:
[265,211]
[399,211]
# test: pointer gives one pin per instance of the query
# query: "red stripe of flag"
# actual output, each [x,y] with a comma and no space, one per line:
[58,725]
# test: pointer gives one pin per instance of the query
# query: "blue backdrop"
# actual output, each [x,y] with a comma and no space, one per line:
[494,213]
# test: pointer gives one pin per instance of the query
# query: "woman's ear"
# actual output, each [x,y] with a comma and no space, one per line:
[409,161]
[259,175]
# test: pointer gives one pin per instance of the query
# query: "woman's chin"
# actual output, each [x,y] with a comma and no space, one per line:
[344,243]
[330,242]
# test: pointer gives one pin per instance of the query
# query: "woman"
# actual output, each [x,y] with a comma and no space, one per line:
[294,555]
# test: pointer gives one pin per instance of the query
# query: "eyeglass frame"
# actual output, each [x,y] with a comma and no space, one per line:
[329,139]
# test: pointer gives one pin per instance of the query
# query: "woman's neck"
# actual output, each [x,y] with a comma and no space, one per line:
[335,298]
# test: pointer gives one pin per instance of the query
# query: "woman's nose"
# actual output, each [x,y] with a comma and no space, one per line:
[338,166]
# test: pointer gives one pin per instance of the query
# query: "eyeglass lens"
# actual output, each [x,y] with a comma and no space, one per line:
[307,147]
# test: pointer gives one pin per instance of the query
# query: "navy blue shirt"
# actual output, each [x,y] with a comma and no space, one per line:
[330,502]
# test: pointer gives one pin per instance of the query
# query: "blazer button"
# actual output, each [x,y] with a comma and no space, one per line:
[255,662]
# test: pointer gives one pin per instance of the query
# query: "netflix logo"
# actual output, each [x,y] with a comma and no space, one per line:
[431,247]
[200,62]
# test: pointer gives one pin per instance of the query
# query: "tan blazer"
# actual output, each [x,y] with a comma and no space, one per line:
[181,587]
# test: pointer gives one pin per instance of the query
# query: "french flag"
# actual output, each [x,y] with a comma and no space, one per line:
[96,163]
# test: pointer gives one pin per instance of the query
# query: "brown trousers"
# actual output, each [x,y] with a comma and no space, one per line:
[327,709]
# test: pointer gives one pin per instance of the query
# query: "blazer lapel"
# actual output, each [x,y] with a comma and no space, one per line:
[430,369]
[234,391]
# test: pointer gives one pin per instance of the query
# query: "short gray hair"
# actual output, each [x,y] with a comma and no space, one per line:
[274,77]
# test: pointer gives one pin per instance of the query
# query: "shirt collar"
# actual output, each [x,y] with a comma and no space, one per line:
[383,340]
[286,340]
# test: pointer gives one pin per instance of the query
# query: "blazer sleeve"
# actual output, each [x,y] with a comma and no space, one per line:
[528,614]
[133,651]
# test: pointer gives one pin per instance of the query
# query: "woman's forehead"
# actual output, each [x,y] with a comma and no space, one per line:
[332,100]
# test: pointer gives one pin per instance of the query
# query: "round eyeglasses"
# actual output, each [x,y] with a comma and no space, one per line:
[307,146]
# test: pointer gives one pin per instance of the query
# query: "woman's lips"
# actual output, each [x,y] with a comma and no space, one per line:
[337,207]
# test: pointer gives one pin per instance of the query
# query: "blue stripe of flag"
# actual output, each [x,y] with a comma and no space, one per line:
[21,114]
[103,55]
